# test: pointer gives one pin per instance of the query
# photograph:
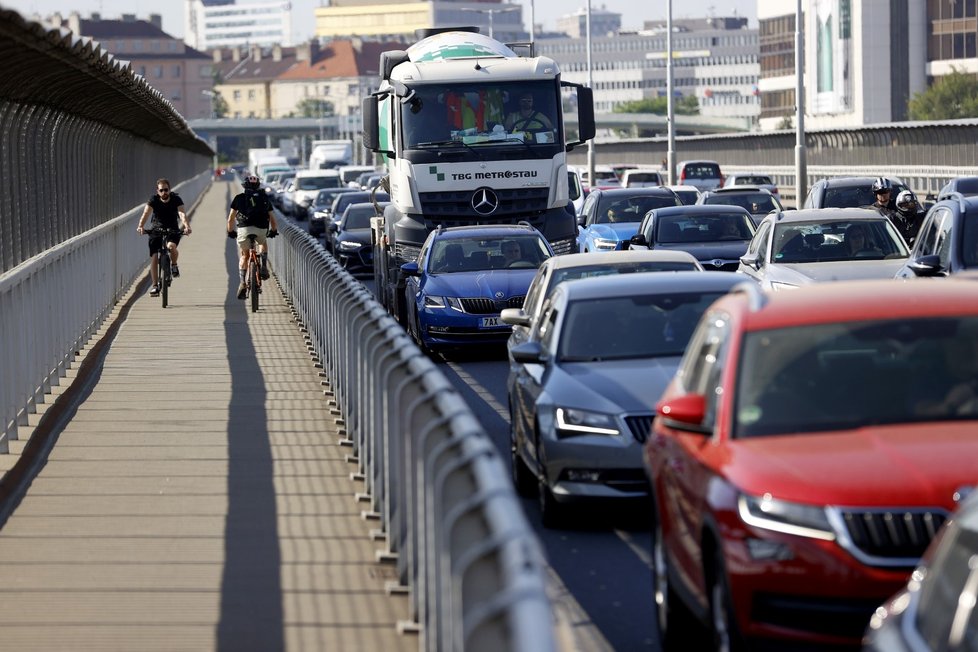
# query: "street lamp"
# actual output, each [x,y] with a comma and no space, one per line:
[491,12]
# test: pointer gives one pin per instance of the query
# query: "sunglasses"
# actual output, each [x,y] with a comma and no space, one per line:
[162,190]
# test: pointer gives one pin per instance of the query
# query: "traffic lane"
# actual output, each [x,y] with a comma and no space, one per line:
[601,560]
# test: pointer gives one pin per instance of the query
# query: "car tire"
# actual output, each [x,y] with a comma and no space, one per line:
[676,625]
[723,624]
[523,479]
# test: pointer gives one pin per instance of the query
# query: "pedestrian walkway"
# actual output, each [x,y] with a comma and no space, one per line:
[198,499]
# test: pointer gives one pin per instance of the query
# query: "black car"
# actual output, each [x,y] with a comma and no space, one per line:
[717,236]
[350,238]
[321,210]
[849,192]
[758,201]
[966,186]
[947,242]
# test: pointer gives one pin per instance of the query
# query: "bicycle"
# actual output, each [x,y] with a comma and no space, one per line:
[253,275]
[163,275]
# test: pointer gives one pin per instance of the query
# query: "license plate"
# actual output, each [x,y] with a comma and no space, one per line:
[489,322]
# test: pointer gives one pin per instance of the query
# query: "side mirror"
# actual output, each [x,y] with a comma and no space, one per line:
[684,412]
[638,240]
[410,269]
[929,265]
[581,219]
[333,227]
[515,317]
[528,353]
[750,260]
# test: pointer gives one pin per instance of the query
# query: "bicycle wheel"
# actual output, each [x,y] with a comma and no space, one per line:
[254,283]
[164,276]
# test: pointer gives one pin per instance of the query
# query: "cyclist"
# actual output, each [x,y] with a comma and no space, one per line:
[251,214]
[167,210]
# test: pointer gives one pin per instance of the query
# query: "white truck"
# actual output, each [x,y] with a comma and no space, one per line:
[472,133]
[328,154]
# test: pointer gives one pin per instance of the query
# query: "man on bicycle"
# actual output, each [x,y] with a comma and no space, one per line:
[167,210]
[251,214]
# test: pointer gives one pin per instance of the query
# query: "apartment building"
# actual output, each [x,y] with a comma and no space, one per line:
[212,24]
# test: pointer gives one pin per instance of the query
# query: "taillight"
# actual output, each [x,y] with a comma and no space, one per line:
[682,176]
[774,190]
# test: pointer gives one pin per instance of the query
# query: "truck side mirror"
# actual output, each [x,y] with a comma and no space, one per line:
[371,125]
[585,114]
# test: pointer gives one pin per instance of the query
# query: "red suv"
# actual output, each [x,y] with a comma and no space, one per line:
[808,449]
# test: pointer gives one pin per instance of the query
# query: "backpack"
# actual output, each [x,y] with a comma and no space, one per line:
[256,209]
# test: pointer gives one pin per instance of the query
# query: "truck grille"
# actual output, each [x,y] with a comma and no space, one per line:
[891,537]
[481,306]
[566,246]
[514,203]
[640,427]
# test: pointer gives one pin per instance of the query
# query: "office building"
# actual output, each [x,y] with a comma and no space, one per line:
[212,24]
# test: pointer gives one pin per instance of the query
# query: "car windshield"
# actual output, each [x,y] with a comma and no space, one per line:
[317,183]
[841,376]
[688,197]
[618,328]
[966,186]
[710,227]
[754,202]
[589,271]
[810,242]
[358,217]
[518,251]
[631,209]
[854,196]
[752,180]
[326,197]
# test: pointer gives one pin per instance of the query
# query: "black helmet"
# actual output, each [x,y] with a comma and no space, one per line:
[882,184]
[906,200]
[251,182]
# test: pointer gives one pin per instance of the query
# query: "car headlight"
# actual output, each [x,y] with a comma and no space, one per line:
[768,513]
[431,301]
[572,422]
[778,286]
[604,243]
[350,245]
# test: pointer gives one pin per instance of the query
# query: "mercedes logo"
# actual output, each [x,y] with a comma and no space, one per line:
[484,201]
[500,295]
[717,262]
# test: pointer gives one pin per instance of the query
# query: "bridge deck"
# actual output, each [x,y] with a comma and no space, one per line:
[198,499]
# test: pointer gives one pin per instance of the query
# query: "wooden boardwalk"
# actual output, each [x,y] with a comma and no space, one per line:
[198,498]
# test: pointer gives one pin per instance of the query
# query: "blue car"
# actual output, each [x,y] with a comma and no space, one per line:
[611,217]
[464,277]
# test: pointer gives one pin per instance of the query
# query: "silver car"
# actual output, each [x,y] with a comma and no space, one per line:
[583,389]
[576,266]
[795,248]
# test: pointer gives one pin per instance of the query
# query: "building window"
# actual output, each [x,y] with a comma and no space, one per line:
[206,71]
[177,72]
[158,72]
[251,94]
[236,95]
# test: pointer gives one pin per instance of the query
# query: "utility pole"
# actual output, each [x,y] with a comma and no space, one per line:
[801,162]
[670,101]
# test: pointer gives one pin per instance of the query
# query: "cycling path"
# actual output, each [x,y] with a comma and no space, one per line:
[197,498]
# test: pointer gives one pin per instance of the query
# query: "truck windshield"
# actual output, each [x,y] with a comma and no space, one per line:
[485,114]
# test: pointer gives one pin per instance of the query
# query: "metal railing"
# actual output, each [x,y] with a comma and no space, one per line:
[435,482]
[82,140]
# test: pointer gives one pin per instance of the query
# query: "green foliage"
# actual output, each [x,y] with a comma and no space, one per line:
[314,108]
[685,105]
[219,105]
[786,123]
[952,96]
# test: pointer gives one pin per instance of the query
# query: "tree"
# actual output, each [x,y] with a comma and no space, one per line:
[220,105]
[685,105]
[952,96]
[314,108]
[786,123]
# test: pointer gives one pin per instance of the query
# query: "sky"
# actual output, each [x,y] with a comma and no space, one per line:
[633,12]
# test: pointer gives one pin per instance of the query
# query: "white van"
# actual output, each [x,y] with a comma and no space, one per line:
[306,186]
[349,174]
[641,178]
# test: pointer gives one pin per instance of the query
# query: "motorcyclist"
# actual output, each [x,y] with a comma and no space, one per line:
[908,216]
[883,190]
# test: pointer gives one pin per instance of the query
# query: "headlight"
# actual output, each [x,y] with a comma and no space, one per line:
[605,244]
[778,286]
[319,215]
[800,520]
[349,245]
[571,422]
[431,301]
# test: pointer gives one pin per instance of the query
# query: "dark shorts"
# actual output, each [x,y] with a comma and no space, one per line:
[154,242]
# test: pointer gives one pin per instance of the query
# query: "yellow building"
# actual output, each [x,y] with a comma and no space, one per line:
[245,77]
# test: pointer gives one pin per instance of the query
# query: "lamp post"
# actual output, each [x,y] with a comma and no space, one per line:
[801,158]
[670,102]
[491,13]
[590,84]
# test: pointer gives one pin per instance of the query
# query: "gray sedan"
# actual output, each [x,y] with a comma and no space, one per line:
[795,248]
[583,389]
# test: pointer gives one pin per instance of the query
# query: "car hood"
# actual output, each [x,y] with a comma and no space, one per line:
[617,231]
[909,464]
[612,385]
[487,283]
[707,251]
[842,270]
